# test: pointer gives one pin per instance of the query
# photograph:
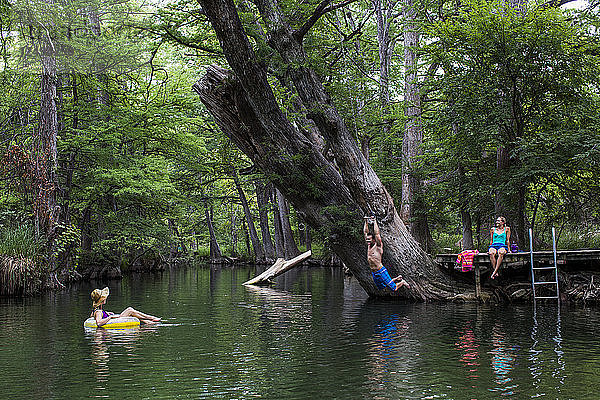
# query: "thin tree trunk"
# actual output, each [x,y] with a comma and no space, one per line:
[291,250]
[247,239]
[465,215]
[47,210]
[86,235]
[102,96]
[259,251]
[262,199]
[308,237]
[384,14]
[234,237]
[413,205]
[69,164]
[358,102]
[215,255]
[279,241]
[510,203]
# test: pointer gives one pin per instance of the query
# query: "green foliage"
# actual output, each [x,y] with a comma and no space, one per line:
[20,242]
[578,239]
[526,82]
[140,160]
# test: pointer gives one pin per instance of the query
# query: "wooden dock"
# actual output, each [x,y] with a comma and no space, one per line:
[517,264]
[571,260]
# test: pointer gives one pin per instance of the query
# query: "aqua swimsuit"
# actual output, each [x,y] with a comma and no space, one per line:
[499,240]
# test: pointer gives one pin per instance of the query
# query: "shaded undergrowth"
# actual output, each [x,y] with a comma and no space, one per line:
[20,270]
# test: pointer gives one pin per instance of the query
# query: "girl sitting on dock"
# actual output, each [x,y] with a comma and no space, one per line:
[499,244]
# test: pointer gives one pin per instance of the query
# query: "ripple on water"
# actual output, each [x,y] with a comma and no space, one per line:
[309,337]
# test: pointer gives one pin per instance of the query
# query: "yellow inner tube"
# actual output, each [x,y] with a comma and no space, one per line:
[115,323]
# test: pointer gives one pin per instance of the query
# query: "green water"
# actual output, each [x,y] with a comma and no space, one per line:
[314,335]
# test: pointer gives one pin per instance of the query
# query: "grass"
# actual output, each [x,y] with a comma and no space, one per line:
[19,276]
[578,239]
[19,242]
[20,271]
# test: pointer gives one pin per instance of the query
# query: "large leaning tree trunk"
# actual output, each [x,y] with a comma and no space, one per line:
[328,198]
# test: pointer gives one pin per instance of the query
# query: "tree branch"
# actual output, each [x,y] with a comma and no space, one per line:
[555,3]
[321,10]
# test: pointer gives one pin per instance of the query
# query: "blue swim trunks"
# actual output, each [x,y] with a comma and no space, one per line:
[498,246]
[382,279]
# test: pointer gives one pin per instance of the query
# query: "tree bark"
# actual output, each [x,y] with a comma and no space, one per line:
[413,205]
[384,16]
[279,241]
[247,239]
[262,199]
[510,202]
[215,255]
[465,215]
[308,237]
[510,199]
[86,234]
[277,269]
[234,237]
[290,248]
[328,198]
[47,211]
[259,252]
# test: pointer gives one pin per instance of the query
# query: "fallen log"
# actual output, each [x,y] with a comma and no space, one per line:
[277,269]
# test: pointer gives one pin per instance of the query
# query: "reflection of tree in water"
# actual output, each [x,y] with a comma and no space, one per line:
[503,362]
[467,343]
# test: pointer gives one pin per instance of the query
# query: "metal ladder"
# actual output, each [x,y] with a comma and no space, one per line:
[535,283]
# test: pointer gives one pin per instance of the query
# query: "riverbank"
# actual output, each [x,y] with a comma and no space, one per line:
[22,276]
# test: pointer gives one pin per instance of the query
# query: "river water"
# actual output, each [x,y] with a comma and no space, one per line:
[313,335]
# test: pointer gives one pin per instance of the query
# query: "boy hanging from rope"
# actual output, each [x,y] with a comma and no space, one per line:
[374,255]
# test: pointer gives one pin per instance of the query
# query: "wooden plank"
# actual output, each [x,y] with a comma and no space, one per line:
[281,266]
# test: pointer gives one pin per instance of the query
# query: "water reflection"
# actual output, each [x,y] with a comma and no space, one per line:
[389,357]
[546,353]
[100,356]
[102,341]
[504,356]
[279,305]
[385,343]
[469,346]
[309,338]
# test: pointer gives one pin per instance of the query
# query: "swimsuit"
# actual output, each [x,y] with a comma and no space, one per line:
[382,279]
[499,240]
[104,313]
[498,246]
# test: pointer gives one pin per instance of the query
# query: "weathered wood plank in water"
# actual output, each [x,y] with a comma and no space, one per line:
[278,268]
